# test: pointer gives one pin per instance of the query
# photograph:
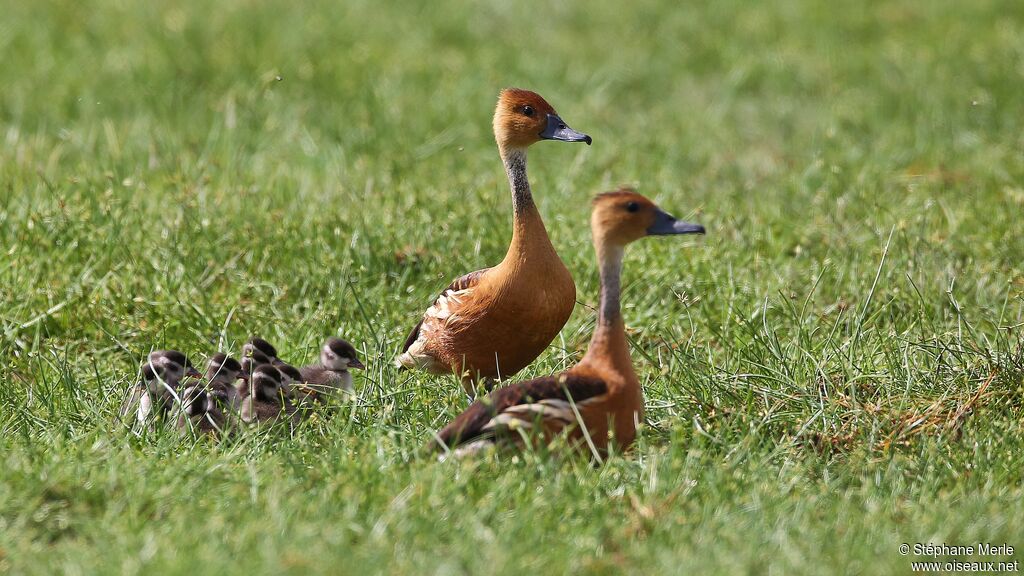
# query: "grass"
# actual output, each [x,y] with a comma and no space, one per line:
[835,369]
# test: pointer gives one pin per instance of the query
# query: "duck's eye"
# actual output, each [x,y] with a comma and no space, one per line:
[632,207]
[528,110]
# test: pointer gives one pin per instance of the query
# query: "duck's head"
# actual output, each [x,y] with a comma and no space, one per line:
[223,368]
[290,376]
[266,382]
[196,401]
[153,376]
[251,361]
[523,118]
[257,344]
[625,216]
[175,365]
[339,355]
[256,352]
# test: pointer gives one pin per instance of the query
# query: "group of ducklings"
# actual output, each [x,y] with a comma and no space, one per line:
[231,393]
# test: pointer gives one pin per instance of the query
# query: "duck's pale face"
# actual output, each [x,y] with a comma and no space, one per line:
[175,366]
[625,216]
[223,369]
[154,377]
[338,355]
[267,387]
[523,117]
[196,401]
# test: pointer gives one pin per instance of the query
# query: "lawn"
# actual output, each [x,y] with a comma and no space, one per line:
[836,368]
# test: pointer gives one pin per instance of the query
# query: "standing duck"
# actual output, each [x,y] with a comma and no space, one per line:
[602,392]
[493,322]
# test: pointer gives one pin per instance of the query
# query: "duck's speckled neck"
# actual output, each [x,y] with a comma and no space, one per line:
[514,160]
[609,346]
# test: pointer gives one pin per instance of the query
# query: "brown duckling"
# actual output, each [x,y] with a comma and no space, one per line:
[222,374]
[158,387]
[201,412]
[265,399]
[332,371]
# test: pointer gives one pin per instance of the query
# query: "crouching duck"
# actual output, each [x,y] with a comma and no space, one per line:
[493,322]
[599,400]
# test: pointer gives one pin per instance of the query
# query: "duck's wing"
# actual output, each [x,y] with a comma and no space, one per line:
[443,308]
[550,400]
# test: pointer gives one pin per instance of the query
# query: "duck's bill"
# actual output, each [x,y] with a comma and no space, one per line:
[557,129]
[354,363]
[665,224]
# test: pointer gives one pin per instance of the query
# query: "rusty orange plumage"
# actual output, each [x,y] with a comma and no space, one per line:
[598,401]
[493,322]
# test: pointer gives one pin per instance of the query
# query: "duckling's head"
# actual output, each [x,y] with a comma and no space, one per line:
[153,376]
[223,368]
[266,382]
[523,118]
[289,375]
[196,401]
[625,216]
[338,355]
[251,361]
[175,365]
[257,344]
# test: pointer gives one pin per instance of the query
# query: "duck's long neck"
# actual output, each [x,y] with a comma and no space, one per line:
[608,346]
[529,236]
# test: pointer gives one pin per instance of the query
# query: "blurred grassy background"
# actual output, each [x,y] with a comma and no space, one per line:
[835,369]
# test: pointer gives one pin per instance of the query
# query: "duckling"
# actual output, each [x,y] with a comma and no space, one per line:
[177,364]
[331,373]
[222,373]
[200,411]
[157,390]
[139,401]
[255,352]
[493,322]
[267,400]
[600,398]
[260,350]
[291,382]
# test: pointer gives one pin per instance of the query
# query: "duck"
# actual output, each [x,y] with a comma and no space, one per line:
[156,390]
[599,400]
[138,403]
[491,323]
[331,372]
[201,412]
[222,374]
[255,352]
[262,351]
[266,401]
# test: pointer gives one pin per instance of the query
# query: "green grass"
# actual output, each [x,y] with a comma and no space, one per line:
[835,369]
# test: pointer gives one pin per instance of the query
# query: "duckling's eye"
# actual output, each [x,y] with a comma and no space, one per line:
[632,207]
[528,110]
